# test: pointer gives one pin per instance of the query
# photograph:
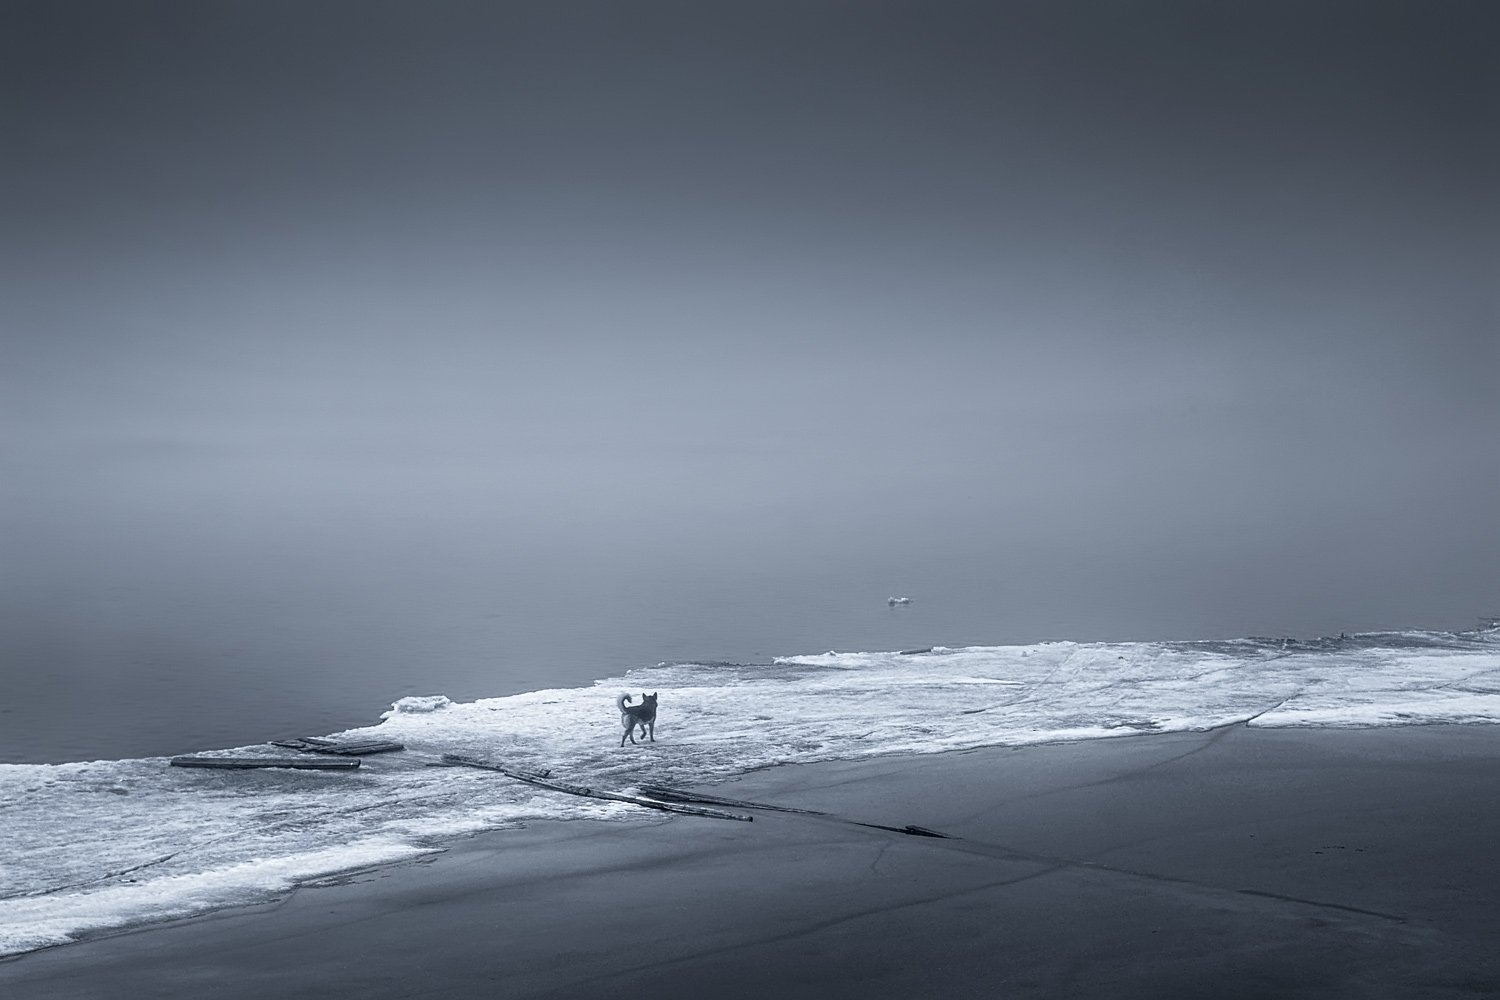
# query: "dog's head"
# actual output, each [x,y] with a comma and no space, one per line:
[648,699]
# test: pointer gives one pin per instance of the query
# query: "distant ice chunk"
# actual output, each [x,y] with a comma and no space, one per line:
[893,601]
[418,703]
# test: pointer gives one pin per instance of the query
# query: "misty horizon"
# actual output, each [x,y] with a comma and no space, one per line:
[685,326]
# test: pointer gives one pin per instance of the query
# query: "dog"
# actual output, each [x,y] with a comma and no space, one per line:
[643,715]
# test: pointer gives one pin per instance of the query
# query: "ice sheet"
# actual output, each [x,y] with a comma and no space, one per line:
[93,846]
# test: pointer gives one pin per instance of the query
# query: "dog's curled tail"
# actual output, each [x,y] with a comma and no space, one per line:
[621,702]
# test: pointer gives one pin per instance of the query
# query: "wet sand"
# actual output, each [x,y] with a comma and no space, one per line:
[1234,864]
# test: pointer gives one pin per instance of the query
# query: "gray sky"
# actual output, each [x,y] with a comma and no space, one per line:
[1201,284]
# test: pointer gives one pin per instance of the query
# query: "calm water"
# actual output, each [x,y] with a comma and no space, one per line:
[110,669]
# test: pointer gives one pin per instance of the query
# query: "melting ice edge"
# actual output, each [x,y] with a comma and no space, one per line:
[102,845]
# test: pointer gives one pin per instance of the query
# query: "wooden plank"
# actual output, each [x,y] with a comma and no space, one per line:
[356,749]
[533,778]
[353,748]
[300,763]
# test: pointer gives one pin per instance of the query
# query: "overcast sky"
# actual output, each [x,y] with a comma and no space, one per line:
[1144,275]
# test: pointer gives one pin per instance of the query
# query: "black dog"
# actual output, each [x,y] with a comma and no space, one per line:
[643,715]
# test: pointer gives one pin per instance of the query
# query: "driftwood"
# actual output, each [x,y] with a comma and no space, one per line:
[300,763]
[345,748]
[541,781]
[679,795]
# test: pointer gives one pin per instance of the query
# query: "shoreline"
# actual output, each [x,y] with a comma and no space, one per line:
[1238,861]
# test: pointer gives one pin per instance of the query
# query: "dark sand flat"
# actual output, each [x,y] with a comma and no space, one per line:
[1233,864]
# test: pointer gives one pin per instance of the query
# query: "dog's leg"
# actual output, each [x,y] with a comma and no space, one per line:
[653,730]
